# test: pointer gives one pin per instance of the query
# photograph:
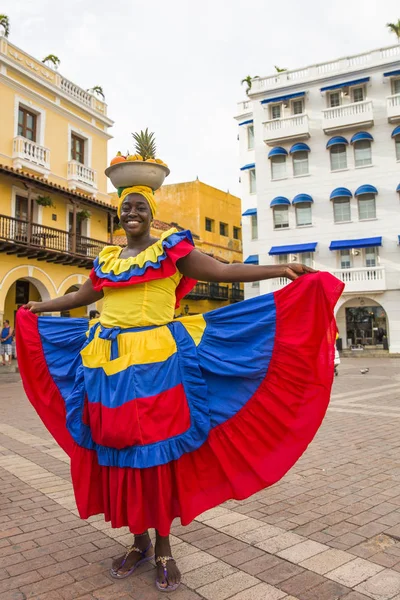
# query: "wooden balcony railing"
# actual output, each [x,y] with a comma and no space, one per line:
[18,236]
[214,291]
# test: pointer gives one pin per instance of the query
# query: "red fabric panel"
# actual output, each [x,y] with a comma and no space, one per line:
[140,421]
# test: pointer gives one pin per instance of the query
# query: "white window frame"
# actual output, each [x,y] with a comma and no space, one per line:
[293,103]
[38,111]
[300,206]
[271,111]
[362,199]
[347,201]
[37,215]
[350,261]
[357,146]
[250,137]
[304,161]
[280,209]
[333,93]
[354,90]
[332,152]
[254,227]
[88,144]
[252,181]
[375,251]
[279,159]
[282,259]
[397,147]
[307,258]
[395,82]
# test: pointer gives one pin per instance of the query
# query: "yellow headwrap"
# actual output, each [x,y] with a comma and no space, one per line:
[144,191]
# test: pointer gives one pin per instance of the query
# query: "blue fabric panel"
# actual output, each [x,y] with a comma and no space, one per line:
[337,139]
[396,131]
[246,122]
[300,147]
[361,243]
[249,212]
[252,259]
[277,151]
[283,98]
[249,166]
[391,73]
[337,86]
[361,135]
[340,192]
[398,188]
[365,189]
[293,249]
[302,198]
[280,201]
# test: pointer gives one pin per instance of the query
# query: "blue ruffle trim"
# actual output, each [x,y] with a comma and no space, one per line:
[135,270]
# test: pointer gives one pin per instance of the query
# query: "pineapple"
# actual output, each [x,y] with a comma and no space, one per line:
[145,144]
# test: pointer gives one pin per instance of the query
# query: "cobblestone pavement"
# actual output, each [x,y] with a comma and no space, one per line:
[330,529]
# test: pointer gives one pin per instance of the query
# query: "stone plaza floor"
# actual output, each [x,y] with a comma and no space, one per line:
[329,529]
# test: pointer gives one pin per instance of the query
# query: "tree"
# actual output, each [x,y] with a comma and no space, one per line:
[97,89]
[53,59]
[278,70]
[249,81]
[394,28]
[5,24]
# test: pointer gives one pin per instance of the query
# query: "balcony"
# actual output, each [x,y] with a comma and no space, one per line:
[209,291]
[366,279]
[236,295]
[393,108]
[29,155]
[356,114]
[82,177]
[47,244]
[289,128]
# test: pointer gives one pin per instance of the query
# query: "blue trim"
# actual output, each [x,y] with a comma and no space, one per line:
[337,86]
[361,243]
[396,131]
[337,139]
[249,212]
[246,122]
[301,147]
[280,201]
[340,192]
[252,259]
[294,249]
[365,189]
[361,135]
[398,188]
[391,73]
[277,151]
[249,166]
[283,98]
[302,198]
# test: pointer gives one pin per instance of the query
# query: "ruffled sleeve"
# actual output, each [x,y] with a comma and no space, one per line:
[158,261]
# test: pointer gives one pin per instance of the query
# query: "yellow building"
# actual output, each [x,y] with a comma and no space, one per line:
[55,213]
[214,218]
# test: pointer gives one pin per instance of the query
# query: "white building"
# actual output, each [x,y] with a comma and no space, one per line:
[320,174]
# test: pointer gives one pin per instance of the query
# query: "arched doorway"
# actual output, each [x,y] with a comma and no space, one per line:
[82,311]
[21,292]
[363,323]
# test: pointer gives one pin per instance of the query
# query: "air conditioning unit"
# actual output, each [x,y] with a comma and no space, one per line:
[294,258]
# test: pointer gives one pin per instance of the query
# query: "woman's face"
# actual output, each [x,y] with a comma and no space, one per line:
[135,215]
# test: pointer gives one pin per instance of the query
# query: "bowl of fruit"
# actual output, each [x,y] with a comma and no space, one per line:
[141,168]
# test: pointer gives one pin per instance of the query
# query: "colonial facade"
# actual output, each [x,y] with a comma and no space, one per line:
[320,176]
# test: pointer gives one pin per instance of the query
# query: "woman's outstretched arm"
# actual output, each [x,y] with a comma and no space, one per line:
[84,296]
[204,268]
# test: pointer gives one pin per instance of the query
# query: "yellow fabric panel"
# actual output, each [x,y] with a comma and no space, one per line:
[195,326]
[135,348]
[110,261]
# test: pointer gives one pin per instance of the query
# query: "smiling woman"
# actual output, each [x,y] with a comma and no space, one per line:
[165,417]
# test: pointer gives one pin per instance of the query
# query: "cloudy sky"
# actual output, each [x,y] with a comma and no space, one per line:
[175,66]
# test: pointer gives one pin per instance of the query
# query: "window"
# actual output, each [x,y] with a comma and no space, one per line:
[253,182]
[250,137]
[300,163]
[341,210]
[362,153]
[276,111]
[282,259]
[303,214]
[27,122]
[345,259]
[334,99]
[254,227]
[338,157]
[21,208]
[306,259]
[236,233]
[77,148]
[366,207]
[223,229]
[396,86]
[371,257]
[397,144]
[358,94]
[281,217]
[297,107]
[21,291]
[209,224]
[278,167]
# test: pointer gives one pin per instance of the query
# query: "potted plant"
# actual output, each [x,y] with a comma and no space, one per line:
[82,215]
[45,201]
[5,24]
[53,60]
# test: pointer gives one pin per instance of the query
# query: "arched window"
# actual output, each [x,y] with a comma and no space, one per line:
[366,207]
[303,214]
[277,157]
[341,210]
[281,217]
[362,153]
[338,157]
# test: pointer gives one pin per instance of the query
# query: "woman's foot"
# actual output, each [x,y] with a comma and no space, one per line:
[168,574]
[140,552]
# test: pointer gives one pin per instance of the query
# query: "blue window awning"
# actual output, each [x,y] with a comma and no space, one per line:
[398,188]
[396,131]
[391,73]
[252,259]
[301,147]
[337,86]
[365,189]
[302,198]
[362,243]
[294,249]
[249,166]
[249,212]
[361,135]
[337,139]
[283,98]
[280,201]
[277,151]
[246,122]
[340,192]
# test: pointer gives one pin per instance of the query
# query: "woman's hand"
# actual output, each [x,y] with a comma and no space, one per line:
[34,307]
[295,270]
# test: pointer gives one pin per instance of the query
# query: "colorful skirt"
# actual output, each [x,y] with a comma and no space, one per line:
[169,421]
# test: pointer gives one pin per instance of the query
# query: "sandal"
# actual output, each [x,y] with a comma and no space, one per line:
[115,572]
[170,588]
